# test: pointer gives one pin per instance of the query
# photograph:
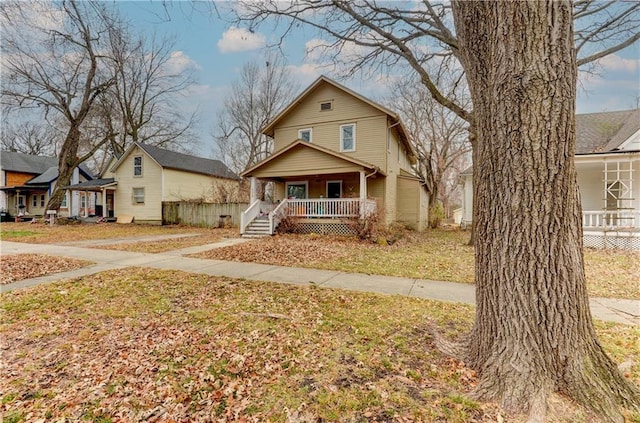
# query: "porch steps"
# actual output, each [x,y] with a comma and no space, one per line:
[257,228]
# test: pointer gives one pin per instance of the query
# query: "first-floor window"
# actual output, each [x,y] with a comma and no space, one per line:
[297,190]
[34,200]
[41,200]
[83,201]
[63,205]
[138,195]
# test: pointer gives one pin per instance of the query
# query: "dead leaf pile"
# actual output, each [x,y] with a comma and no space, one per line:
[160,346]
[142,345]
[16,267]
[288,250]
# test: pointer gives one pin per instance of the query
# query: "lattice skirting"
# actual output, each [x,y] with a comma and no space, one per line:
[616,240]
[325,228]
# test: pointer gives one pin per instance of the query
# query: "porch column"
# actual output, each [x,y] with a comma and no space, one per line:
[86,204]
[104,203]
[363,193]
[253,192]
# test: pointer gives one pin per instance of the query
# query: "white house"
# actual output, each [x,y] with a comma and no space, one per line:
[608,166]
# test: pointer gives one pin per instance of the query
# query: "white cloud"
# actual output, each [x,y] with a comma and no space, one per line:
[239,39]
[179,62]
[613,62]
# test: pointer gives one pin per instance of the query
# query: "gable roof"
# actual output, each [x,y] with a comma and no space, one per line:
[605,131]
[397,122]
[305,144]
[26,163]
[179,161]
[51,175]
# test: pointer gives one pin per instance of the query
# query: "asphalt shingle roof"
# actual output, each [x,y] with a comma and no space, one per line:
[27,163]
[606,131]
[186,162]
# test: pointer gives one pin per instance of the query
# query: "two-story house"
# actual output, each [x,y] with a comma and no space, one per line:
[337,156]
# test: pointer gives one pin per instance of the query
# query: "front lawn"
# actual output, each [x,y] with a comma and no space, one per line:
[45,234]
[436,254]
[151,345]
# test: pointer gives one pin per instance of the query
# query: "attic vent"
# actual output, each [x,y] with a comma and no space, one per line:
[326,106]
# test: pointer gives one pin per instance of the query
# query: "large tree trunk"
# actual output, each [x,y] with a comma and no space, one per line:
[533,333]
[66,164]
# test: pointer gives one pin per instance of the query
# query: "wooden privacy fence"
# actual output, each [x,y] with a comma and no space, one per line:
[202,214]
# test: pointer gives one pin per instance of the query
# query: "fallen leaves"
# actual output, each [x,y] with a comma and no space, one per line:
[288,250]
[15,267]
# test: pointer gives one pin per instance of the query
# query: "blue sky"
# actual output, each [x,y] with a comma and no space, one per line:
[215,52]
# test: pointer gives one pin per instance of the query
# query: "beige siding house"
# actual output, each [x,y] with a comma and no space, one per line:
[337,156]
[145,176]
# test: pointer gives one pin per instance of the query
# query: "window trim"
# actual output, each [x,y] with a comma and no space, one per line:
[342,149]
[306,188]
[138,166]
[310,130]
[133,196]
[64,203]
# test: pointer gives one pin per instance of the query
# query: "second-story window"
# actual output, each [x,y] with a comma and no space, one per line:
[305,134]
[348,137]
[137,166]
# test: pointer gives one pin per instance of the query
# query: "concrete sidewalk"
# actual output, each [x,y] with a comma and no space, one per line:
[612,310]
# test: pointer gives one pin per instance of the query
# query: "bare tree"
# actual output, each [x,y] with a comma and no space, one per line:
[140,106]
[437,134]
[80,66]
[255,98]
[533,334]
[38,139]
[53,60]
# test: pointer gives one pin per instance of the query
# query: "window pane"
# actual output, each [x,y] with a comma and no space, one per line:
[138,195]
[137,166]
[347,137]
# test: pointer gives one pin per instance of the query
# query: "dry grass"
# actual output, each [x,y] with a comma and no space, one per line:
[141,345]
[44,234]
[437,255]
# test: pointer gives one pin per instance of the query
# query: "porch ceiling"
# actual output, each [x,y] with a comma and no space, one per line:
[302,158]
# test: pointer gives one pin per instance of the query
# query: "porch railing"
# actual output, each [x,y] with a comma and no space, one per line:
[611,219]
[247,216]
[277,214]
[326,207]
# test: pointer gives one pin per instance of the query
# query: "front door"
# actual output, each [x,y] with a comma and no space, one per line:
[334,189]
[21,204]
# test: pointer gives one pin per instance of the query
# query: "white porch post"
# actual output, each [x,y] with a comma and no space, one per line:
[86,204]
[105,212]
[253,193]
[363,193]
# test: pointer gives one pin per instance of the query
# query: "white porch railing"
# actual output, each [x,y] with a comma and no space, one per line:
[247,216]
[277,214]
[325,207]
[611,219]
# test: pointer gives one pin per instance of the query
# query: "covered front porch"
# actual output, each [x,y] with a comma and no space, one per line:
[315,186]
[610,195]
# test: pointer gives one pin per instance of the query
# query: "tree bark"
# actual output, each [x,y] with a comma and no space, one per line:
[533,333]
[67,162]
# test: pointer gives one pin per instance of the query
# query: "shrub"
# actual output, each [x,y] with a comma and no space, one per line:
[436,214]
